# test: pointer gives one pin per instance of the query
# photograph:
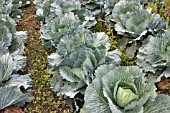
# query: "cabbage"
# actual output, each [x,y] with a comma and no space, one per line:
[54,30]
[13,87]
[155,55]
[12,8]
[133,21]
[48,9]
[123,90]
[76,71]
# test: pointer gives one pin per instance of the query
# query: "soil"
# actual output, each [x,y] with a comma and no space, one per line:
[45,100]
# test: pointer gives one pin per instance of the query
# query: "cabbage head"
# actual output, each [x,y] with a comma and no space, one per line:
[123,90]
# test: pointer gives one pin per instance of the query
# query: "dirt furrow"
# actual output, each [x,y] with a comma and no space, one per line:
[45,101]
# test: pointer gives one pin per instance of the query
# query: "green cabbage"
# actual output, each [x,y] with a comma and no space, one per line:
[123,90]
[155,55]
[11,83]
[130,19]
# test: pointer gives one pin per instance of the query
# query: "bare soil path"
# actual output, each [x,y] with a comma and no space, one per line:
[45,101]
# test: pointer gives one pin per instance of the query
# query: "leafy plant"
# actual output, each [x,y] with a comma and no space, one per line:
[13,87]
[48,9]
[154,55]
[136,22]
[11,42]
[95,6]
[53,31]
[82,38]
[109,5]
[6,20]
[76,71]
[123,90]
[76,59]
[12,8]
[82,59]
[122,8]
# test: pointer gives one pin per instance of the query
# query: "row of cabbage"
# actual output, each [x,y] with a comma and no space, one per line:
[83,65]
[14,88]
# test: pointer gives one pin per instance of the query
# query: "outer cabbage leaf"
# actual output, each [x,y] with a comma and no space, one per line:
[6,20]
[86,18]
[95,6]
[11,95]
[5,37]
[18,41]
[95,102]
[109,5]
[10,63]
[54,59]
[20,81]
[159,105]
[6,67]
[104,69]
[62,87]
[2,48]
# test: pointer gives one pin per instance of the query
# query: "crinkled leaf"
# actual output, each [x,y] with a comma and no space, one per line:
[18,41]
[82,38]
[11,95]
[155,54]
[6,20]
[20,80]
[5,37]
[54,30]
[95,102]
[10,63]
[159,105]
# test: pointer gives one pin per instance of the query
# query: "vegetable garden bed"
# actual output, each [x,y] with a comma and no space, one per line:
[87,56]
